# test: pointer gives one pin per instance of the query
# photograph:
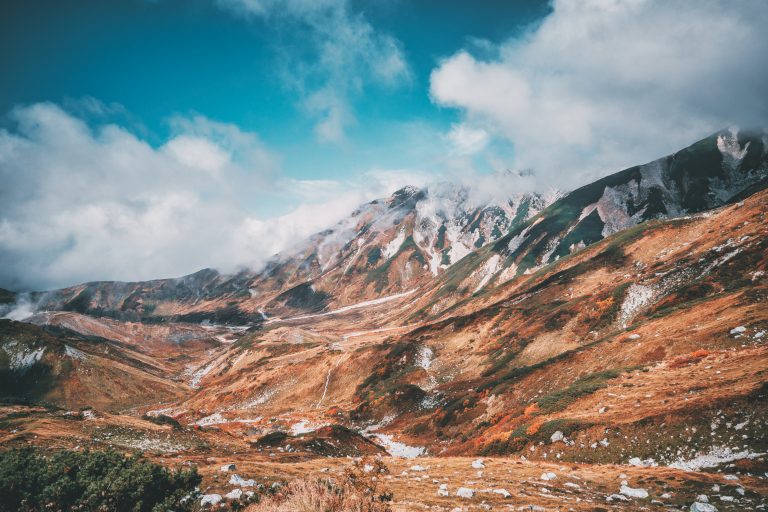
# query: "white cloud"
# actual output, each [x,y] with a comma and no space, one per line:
[466,140]
[334,54]
[605,84]
[81,203]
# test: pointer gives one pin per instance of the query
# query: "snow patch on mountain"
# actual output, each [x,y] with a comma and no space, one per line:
[714,457]
[392,247]
[20,357]
[729,146]
[489,269]
[637,298]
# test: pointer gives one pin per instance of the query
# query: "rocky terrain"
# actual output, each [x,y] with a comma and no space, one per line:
[605,349]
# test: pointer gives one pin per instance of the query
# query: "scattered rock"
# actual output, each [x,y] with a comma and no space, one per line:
[417,467]
[442,490]
[557,436]
[503,492]
[237,480]
[548,476]
[465,492]
[234,494]
[702,507]
[478,464]
[738,330]
[210,499]
[227,468]
[632,492]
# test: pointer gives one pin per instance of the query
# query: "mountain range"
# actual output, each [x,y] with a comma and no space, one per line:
[623,322]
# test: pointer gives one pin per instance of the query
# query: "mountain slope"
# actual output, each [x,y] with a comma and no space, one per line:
[720,169]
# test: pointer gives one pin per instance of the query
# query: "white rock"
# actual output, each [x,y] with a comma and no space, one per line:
[227,468]
[210,499]
[465,492]
[738,330]
[633,493]
[702,507]
[234,494]
[548,476]
[502,492]
[557,436]
[702,498]
[633,337]
[236,480]
[442,490]
[478,464]
[418,468]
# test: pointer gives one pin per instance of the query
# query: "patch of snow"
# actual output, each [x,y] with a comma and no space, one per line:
[213,419]
[198,375]
[424,357]
[638,297]
[478,464]
[729,146]
[302,427]
[392,247]
[492,265]
[713,458]
[74,353]
[397,449]
[644,463]
[20,357]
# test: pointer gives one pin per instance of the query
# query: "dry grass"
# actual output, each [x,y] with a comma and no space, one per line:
[359,490]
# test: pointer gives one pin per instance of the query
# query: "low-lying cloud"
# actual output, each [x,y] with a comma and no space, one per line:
[600,85]
[81,203]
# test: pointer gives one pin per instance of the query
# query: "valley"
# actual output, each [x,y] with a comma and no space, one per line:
[602,349]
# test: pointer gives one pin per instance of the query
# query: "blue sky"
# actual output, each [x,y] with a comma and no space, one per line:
[144,139]
[165,57]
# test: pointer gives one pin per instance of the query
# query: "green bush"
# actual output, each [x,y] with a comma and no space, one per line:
[31,480]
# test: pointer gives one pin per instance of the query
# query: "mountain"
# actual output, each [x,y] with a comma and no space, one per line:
[441,234]
[384,247]
[623,323]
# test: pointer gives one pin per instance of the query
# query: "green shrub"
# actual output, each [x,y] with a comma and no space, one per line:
[31,480]
[586,385]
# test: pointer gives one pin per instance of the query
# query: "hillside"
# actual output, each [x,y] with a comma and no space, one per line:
[617,330]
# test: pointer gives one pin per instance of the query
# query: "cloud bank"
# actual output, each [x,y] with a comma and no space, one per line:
[80,203]
[600,85]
